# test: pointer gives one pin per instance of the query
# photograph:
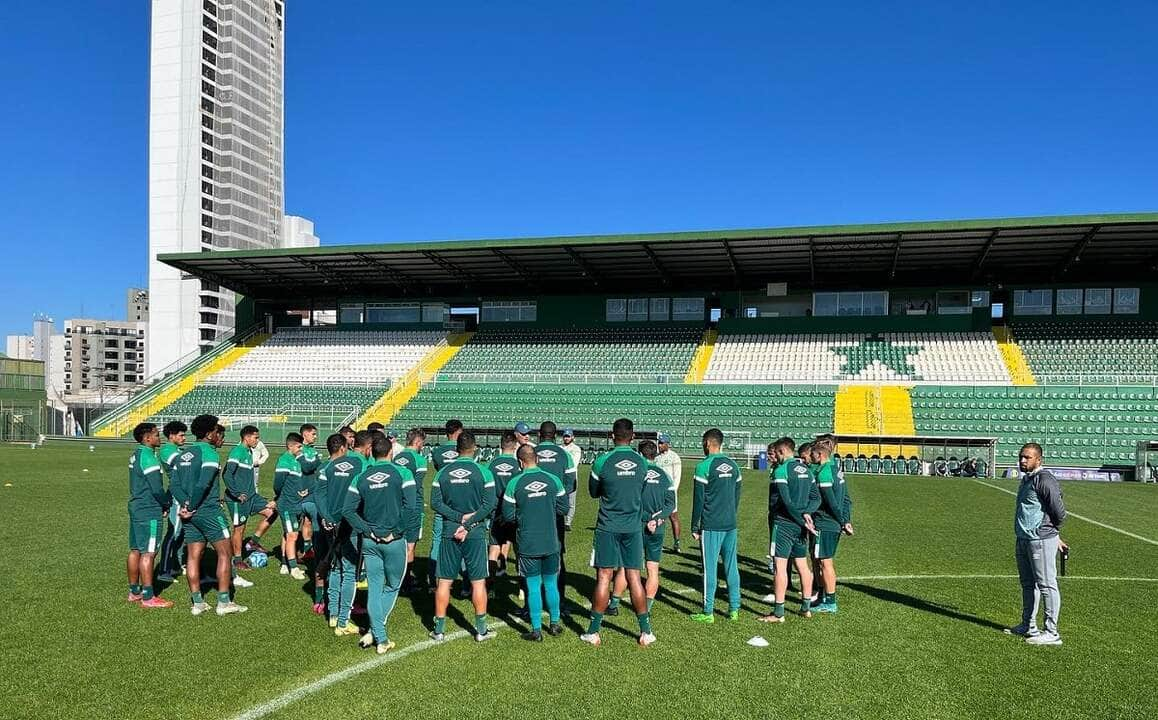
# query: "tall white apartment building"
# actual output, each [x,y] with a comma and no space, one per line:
[215,157]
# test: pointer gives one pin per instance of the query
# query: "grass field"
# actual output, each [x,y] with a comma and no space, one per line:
[928,585]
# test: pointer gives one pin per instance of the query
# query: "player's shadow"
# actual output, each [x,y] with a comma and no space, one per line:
[921,604]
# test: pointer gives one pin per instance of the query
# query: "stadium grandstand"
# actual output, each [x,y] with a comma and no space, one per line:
[916,343]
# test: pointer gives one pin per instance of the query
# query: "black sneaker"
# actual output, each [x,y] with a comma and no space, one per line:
[554,629]
[524,615]
[533,636]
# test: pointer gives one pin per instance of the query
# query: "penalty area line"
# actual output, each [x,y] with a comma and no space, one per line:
[1069,514]
[260,711]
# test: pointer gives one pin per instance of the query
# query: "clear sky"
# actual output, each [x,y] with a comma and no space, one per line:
[414,121]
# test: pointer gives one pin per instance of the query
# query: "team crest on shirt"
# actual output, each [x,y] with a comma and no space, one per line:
[548,454]
[504,468]
[536,488]
[653,477]
[459,475]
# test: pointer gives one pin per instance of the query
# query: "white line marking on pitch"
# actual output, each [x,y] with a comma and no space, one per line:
[863,578]
[1075,515]
[293,696]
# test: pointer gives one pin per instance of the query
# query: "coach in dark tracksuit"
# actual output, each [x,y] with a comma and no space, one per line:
[1039,514]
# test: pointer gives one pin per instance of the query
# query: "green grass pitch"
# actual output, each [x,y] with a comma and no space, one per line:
[901,647]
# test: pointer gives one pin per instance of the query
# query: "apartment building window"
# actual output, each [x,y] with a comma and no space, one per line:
[207,105]
[207,171]
[209,23]
[206,121]
[211,8]
[206,154]
[209,73]
[209,56]
[208,89]
[207,221]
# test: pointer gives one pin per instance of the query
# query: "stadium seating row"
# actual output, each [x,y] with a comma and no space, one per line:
[889,358]
[330,357]
[1114,350]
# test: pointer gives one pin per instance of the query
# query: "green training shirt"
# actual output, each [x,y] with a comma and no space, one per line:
[334,479]
[194,476]
[659,494]
[503,467]
[617,479]
[147,496]
[380,500]
[238,473]
[444,455]
[534,498]
[288,481]
[415,462]
[555,460]
[463,487]
[793,492]
[831,514]
[168,453]
[717,493]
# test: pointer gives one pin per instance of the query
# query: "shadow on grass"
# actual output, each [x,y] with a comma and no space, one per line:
[921,604]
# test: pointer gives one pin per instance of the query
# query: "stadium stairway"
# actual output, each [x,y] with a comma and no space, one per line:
[874,410]
[403,391]
[1015,361]
[702,358]
[169,390]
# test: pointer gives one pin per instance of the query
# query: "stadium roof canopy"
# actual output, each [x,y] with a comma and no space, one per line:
[1076,248]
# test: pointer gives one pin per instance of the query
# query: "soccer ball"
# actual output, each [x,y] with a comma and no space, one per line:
[258,559]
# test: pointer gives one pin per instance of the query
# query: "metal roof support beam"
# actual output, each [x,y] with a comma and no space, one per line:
[732,262]
[327,273]
[393,275]
[812,259]
[659,268]
[448,266]
[583,264]
[1076,253]
[516,266]
[263,271]
[896,257]
[989,241]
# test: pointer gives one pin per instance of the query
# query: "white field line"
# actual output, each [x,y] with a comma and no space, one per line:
[1127,533]
[293,696]
[863,578]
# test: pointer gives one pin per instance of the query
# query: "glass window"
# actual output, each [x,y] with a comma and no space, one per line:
[616,310]
[434,312]
[979,298]
[687,309]
[660,309]
[637,309]
[1069,301]
[954,302]
[1126,301]
[350,313]
[1033,302]
[876,303]
[824,304]
[849,303]
[509,311]
[1098,301]
[751,312]
[392,313]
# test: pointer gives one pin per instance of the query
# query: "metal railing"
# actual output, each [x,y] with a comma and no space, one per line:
[562,378]
[129,399]
[299,382]
[1098,379]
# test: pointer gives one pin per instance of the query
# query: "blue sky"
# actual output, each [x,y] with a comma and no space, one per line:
[412,121]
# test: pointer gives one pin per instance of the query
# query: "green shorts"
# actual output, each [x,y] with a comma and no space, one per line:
[208,525]
[618,550]
[414,528]
[825,545]
[453,555]
[239,511]
[291,518]
[653,545]
[144,535]
[540,565]
[789,540]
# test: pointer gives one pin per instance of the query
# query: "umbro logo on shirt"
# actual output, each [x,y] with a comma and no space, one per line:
[460,475]
[653,477]
[724,471]
[626,467]
[450,454]
[187,456]
[504,468]
[343,467]
[536,487]
[377,480]
[548,454]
